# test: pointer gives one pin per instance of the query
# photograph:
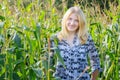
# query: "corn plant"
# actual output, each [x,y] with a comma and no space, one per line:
[27,25]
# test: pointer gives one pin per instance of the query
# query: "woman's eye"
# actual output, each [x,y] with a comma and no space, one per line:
[70,18]
[76,21]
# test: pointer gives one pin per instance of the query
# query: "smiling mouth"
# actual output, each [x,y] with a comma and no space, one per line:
[71,26]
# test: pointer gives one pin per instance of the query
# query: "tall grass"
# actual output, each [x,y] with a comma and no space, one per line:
[26,26]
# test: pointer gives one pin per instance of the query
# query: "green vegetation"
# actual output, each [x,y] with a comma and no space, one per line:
[26,26]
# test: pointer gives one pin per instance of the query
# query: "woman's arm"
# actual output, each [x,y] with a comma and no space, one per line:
[94,59]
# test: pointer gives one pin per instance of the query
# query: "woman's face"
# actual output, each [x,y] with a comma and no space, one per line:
[72,23]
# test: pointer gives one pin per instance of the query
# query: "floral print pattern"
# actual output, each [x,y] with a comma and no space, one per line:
[76,59]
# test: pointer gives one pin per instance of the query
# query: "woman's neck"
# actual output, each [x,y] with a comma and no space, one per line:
[71,35]
[70,38]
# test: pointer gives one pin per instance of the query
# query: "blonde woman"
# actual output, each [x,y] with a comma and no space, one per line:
[75,44]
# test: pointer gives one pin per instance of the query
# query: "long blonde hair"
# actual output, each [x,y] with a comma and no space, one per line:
[82,30]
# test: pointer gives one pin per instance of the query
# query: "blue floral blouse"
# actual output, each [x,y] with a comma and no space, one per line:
[75,59]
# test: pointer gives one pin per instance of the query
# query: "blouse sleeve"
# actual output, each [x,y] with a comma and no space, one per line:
[93,54]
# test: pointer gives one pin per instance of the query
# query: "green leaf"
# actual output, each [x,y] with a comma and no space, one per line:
[28,8]
[59,57]
[2,70]
[2,57]
[17,63]
[58,52]
[19,73]
[45,64]
[110,70]
[16,76]
[32,75]
[38,72]
[109,31]
[2,18]
[30,44]
[37,31]
[17,40]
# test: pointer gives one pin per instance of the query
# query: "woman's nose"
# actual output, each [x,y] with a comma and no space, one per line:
[72,22]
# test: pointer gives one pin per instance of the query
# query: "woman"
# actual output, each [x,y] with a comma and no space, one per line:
[75,45]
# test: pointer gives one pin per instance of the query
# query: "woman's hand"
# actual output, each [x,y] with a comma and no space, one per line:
[94,75]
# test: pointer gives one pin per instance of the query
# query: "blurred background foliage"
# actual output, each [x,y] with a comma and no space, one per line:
[26,26]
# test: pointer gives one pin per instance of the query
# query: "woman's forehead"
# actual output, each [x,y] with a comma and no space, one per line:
[73,15]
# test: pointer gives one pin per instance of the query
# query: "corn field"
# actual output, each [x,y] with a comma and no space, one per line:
[26,27]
